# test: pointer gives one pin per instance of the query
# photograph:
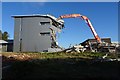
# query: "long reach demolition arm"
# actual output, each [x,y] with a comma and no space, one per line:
[86,20]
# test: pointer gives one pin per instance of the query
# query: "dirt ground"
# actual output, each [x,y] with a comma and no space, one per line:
[56,66]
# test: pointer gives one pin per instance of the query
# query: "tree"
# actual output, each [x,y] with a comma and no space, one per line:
[5,36]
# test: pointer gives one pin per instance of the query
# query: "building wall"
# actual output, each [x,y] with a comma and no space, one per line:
[3,47]
[29,34]
[17,24]
[0,47]
[10,47]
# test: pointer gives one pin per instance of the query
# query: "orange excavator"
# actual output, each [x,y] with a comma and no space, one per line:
[86,20]
[100,45]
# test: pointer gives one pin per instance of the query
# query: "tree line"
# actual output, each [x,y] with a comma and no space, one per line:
[4,35]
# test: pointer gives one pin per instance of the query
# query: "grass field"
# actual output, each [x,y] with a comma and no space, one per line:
[43,66]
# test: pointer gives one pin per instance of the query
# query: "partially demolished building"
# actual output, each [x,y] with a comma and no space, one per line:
[91,45]
[36,33]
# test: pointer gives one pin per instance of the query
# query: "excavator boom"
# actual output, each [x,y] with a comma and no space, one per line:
[86,20]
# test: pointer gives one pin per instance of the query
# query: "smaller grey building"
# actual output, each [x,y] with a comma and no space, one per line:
[106,46]
[6,46]
[36,33]
[3,46]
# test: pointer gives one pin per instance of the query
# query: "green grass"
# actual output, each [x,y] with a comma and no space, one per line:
[59,54]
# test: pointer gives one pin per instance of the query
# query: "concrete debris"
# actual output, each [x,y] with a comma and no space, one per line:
[105,56]
[54,49]
[102,60]
[76,48]
[106,45]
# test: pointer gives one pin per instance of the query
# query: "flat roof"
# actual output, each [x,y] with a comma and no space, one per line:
[61,22]
[2,41]
[33,15]
[102,39]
